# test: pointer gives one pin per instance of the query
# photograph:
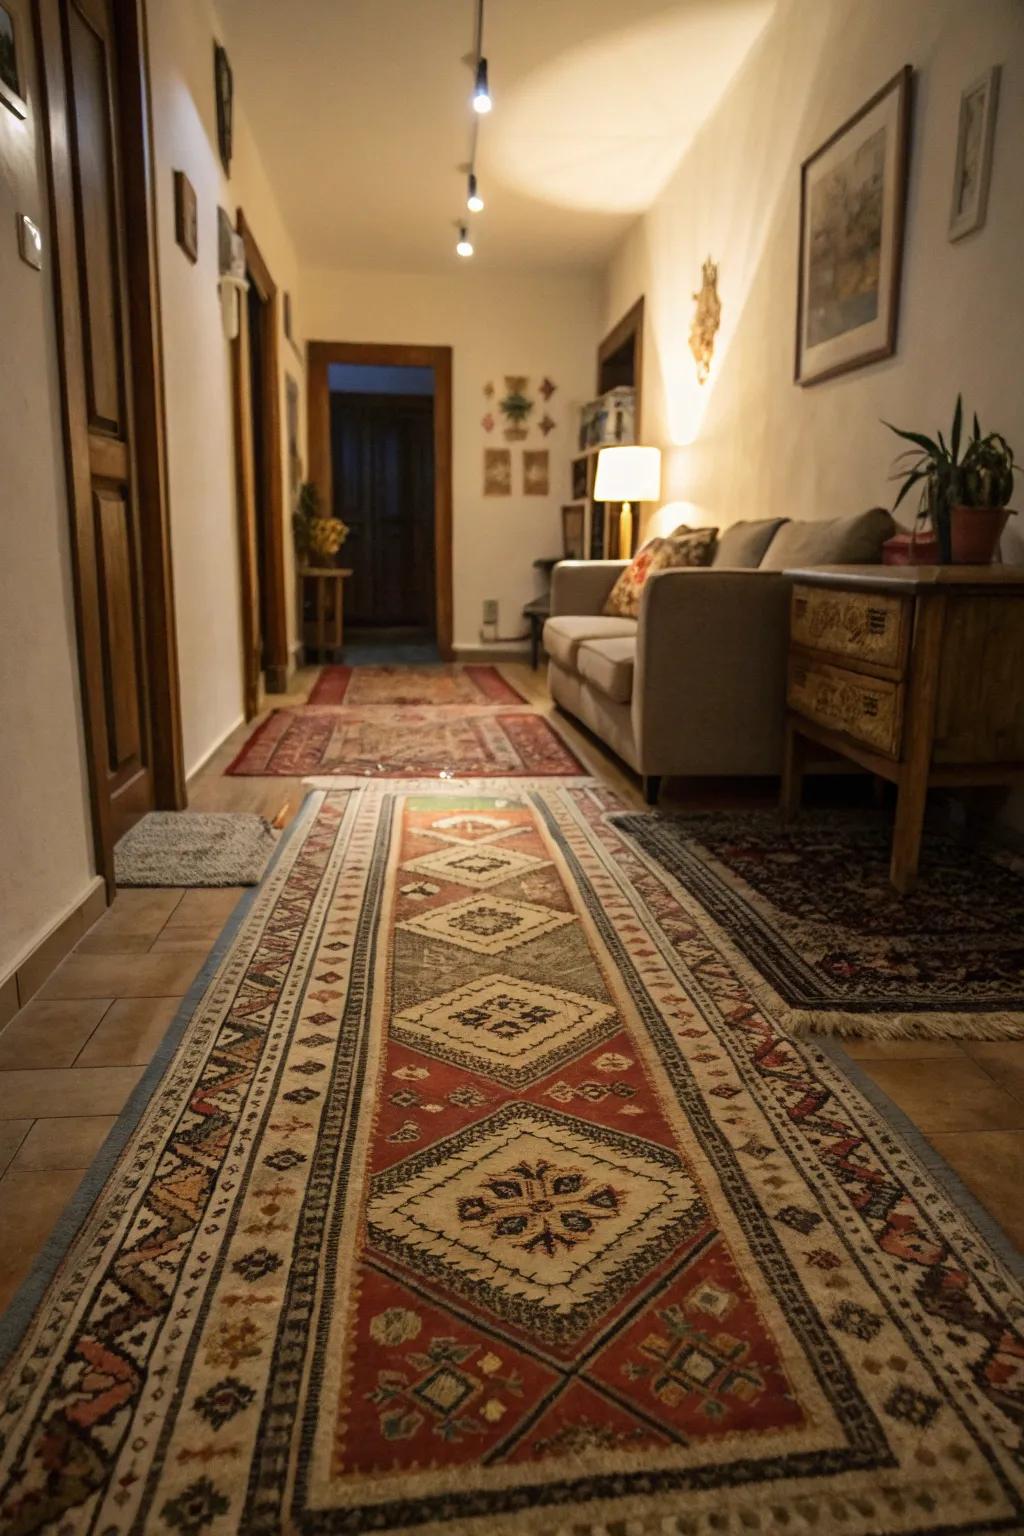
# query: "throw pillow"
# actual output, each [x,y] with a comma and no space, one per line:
[694,547]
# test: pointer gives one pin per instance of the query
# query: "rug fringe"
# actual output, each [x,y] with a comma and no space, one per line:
[802,1023]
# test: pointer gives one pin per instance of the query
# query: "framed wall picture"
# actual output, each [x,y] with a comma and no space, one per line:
[224,88]
[186,216]
[536,473]
[853,193]
[497,471]
[12,85]
[973,170]
[572,532]
[291,393]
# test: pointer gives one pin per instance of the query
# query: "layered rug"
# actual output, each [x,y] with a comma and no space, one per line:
[437,685]
[403,742]
[831,946]
[194,848]
[480,1196]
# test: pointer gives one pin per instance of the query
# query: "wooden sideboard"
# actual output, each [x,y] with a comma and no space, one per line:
[916,673]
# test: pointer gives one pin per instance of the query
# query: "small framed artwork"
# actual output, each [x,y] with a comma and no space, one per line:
[580,468]
[12,86]
[224,88]
[186,216]
[853,193]
[572,532]
[974,139]
[291,392]
[497,471]
[535,472]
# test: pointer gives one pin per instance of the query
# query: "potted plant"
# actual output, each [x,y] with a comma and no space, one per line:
[965,497]
[317,538]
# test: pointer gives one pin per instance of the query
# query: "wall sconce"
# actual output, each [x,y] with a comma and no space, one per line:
[706,320]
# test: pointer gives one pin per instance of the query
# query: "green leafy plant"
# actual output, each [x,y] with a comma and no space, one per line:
[981,477]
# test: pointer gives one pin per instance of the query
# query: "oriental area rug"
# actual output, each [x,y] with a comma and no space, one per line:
[479,1197]
[436,685]
[831,945]
[403,742]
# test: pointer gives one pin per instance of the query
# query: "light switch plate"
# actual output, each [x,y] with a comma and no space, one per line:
[30,242]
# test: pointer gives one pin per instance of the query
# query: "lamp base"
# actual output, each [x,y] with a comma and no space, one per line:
[626,532]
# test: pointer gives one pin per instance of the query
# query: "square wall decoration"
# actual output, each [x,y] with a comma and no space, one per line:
[852,199]
[186,216]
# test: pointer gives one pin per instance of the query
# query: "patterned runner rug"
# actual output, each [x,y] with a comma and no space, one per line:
[441,685]
[400,742]
[478,1196]
[831,946]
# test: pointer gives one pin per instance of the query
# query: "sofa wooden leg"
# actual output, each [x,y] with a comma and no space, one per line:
[652,784]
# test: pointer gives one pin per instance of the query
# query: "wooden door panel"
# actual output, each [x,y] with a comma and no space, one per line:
[383,487]
[95,183]
[115,563]
[99,244]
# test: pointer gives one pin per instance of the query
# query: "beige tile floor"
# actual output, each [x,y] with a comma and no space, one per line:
[71,1057]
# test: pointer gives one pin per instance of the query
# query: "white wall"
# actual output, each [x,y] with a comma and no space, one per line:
[46,862]
[197,361]
[496,325]
[751,443]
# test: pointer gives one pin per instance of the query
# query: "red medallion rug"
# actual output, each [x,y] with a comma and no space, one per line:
[440,685]
[478,1196]
[400,742]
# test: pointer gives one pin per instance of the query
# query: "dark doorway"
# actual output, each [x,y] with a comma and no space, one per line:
[383,462]
[257,321]
[382,452]
[256,379]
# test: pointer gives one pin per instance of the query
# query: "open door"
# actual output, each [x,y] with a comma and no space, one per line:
[93,65]
[257,408]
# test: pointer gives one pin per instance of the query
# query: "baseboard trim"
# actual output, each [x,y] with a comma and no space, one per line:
[198,767]
[503,651]
[43,955]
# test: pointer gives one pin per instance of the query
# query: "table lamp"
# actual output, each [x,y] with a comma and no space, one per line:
[628,475]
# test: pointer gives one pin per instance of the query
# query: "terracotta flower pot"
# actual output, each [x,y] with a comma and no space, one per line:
[975,532]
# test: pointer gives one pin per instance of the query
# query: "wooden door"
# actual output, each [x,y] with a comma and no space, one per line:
[382,451]
[103,343]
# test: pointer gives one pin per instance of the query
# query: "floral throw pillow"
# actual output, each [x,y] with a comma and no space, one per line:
[696,546]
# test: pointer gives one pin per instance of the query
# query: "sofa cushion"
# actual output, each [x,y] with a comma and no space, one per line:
[608,666]
[693,547]
[854,540]
[742,546]
[564,634]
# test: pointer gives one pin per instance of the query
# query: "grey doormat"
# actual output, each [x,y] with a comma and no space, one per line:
[194,848]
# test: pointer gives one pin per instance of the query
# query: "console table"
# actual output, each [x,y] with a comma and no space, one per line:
[322,609]
[916,673]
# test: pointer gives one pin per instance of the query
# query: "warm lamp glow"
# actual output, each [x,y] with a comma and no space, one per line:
[628,474]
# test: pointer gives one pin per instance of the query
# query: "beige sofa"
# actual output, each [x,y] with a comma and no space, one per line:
[696,684]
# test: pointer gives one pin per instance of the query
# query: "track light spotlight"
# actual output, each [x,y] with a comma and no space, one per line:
[465,244]
[474,202]
[481,92]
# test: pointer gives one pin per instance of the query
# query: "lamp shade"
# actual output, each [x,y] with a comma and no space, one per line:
[628,474]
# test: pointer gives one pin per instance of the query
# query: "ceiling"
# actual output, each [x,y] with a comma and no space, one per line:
[360,109]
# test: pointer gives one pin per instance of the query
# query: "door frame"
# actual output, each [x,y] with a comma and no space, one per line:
[147,410]
[629,328]
[273,663]
[319,356]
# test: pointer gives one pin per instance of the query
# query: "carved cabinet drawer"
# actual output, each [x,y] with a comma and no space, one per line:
[868,709]
[872,627]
